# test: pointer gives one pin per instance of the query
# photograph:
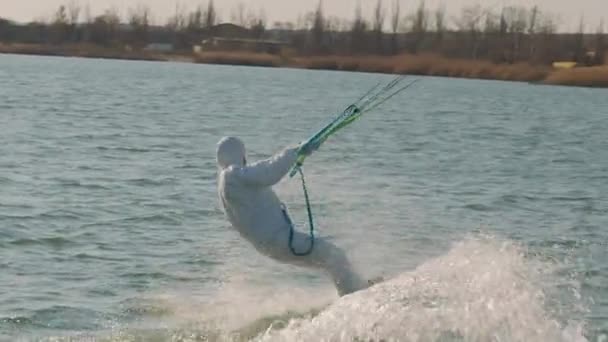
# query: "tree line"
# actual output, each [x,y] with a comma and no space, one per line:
[505,35]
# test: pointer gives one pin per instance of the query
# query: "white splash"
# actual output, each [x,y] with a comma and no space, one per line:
[481,290]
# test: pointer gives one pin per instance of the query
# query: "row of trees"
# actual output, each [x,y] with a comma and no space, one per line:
[509,34]
[71,23]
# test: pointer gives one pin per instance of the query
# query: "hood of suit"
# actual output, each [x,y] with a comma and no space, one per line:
[230,151]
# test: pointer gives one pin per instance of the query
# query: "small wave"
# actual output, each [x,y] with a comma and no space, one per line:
[201,262]
[188,166]
[101,292]
[567,161]
[18,321]
[52,214]
[478,207]
[141,278]
[62,214]
[85,167]
[152,182]
[571,199]
[16,206]
[517,198]
[521,202]
[128,149]
[55,242]
[87,136]
[154,218]
[71,183]
[410,149]
[147,275]
[86,256]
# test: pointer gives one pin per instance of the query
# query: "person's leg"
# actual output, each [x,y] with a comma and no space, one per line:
[332,259]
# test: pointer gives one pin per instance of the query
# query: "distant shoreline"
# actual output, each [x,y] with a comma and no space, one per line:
[423,65]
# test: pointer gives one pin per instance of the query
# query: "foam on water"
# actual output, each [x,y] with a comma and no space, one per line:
[483,289]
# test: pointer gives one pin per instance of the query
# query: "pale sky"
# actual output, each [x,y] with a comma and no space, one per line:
[569,11]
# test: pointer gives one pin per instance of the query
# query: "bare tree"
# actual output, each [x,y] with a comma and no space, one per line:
[88,17]
[257,24]
[358,29]
[378,26]
[600,44]
[546,25]
[104,28]
[210,15]
[470,22]
[178,27]
[440,25]
[504,26]
[532,32]
[196,22]
[579,42]
[318,28]
[519,26]
[61,16]
[395,20]
[252,18]
[139,19]
[492,46]
[545,50]
[419,27]
[516,19]
[492,24]
[179,20]
[334,26]
[533,18]
[88,21]
[238,15]
[73,11]
[60,26]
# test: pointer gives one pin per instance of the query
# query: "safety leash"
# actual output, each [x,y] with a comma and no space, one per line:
[311,223]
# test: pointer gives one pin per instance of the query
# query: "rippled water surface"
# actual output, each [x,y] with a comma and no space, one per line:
[485,202]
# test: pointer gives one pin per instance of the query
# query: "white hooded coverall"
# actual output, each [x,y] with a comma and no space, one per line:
[255,211]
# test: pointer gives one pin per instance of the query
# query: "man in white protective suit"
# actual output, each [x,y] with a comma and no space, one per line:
[255,211]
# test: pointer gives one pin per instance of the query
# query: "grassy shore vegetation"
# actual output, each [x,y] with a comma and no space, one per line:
[585,77]
[79,50]
[240,58]
[428,64]
[505,43]
[422,64]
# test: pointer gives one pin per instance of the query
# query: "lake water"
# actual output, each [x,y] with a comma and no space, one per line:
[485,203]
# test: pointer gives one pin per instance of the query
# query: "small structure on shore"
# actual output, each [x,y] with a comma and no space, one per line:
[241,44]
[564,65]
[231,37]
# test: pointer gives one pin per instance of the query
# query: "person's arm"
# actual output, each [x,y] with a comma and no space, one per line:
[270,171]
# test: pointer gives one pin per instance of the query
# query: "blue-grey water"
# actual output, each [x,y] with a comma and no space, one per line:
[477,190]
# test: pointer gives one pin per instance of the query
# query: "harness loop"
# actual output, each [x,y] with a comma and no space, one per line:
[310,222]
